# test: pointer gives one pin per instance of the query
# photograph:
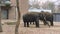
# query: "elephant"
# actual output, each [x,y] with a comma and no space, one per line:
[29,18]
[49,17]
[46,16]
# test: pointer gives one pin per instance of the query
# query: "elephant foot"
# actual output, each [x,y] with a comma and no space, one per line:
[37,27]
[1,31]
[24,26]
[52,24]
[27,26]
[45,24]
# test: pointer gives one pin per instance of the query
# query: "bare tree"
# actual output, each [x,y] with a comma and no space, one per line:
[18,21]
[58,7]
[49,5]
[0,19]
[35,4]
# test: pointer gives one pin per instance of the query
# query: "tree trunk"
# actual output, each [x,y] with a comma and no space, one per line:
[0,20]
[18,20]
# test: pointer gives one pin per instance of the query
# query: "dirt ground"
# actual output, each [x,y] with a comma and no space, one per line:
[10,29]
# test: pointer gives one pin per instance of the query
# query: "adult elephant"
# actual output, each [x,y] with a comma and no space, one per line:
[29,18]
[45,16]
[49,17]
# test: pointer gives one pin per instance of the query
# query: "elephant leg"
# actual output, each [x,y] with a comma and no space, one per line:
[24,24]
[27,24]
[33,22]
[37,23]
[48,23]
[51,23]
[44,22]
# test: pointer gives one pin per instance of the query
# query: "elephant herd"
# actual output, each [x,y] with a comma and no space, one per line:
[35,17]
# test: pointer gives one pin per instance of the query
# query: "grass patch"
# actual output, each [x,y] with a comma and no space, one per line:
[10,23]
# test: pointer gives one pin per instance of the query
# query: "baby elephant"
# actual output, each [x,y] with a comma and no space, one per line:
[29,18]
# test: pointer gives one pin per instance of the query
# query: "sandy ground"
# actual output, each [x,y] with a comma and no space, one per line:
[10,29]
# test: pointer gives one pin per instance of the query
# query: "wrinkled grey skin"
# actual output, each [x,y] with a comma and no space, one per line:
[29,18]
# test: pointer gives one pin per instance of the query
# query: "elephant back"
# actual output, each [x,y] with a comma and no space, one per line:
[30,17]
